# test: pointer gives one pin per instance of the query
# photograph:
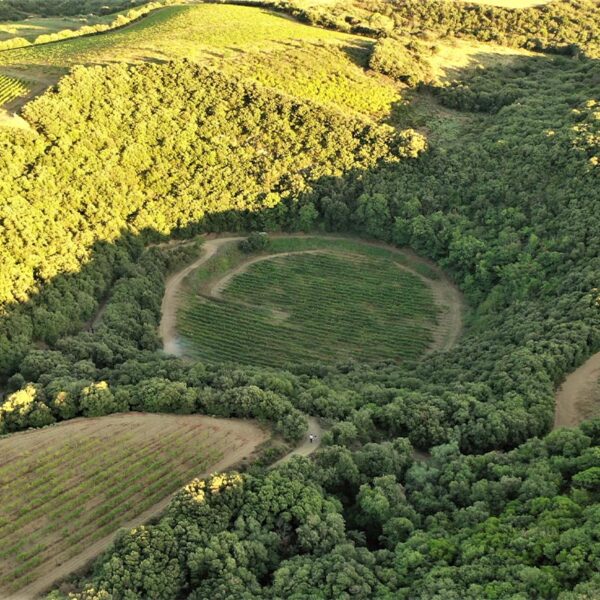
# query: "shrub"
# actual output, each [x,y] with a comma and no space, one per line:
[255,242]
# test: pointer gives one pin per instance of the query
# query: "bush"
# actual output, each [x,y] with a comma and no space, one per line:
[97,400]
[404,61]
[255,242]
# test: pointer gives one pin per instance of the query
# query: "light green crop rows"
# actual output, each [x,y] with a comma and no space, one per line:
[307,62]
[10,89]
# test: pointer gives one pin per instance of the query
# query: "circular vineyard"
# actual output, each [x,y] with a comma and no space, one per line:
[311,301]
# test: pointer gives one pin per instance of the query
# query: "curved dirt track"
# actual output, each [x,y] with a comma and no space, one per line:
[170,303]
[306,447]
[450,302]
[217,288]
[446,295]
[578,389]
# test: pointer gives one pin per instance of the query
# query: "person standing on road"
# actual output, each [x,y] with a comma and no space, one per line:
[311,437]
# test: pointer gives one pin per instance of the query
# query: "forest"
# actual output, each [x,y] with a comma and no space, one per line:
[500,186]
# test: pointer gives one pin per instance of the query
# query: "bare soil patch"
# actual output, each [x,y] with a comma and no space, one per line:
[578,398]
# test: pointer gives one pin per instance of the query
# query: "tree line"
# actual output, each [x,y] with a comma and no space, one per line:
[220,145]
[375,523]
[121,20]
[558,27]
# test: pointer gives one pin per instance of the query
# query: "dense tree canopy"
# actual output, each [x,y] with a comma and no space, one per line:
[456,527]
[173,175]
[561,26]
[504,194]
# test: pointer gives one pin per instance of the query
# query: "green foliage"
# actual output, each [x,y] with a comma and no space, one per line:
[254,402]
[271,518]
[12,10]
[403,60]
[160,395]
[505,198]
[247,147]
[465,526]
[256,242]
[24,408]
[97,400]
[157,572]
[561,26]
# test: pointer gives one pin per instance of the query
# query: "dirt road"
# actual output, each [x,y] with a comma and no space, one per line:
[571,397]
[576,397]
[450,303]
[167,329]
[306,447]
[445,294]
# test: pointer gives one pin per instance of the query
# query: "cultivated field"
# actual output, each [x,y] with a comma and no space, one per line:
[308,300]
[276,51]
[65,488]
[10,89]
[32,28]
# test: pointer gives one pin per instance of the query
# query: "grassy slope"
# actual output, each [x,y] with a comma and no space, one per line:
[454,57]
[304,61]
[509,3]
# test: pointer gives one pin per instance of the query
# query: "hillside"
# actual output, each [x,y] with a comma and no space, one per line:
[305,62]
[88,477]
[290,185]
